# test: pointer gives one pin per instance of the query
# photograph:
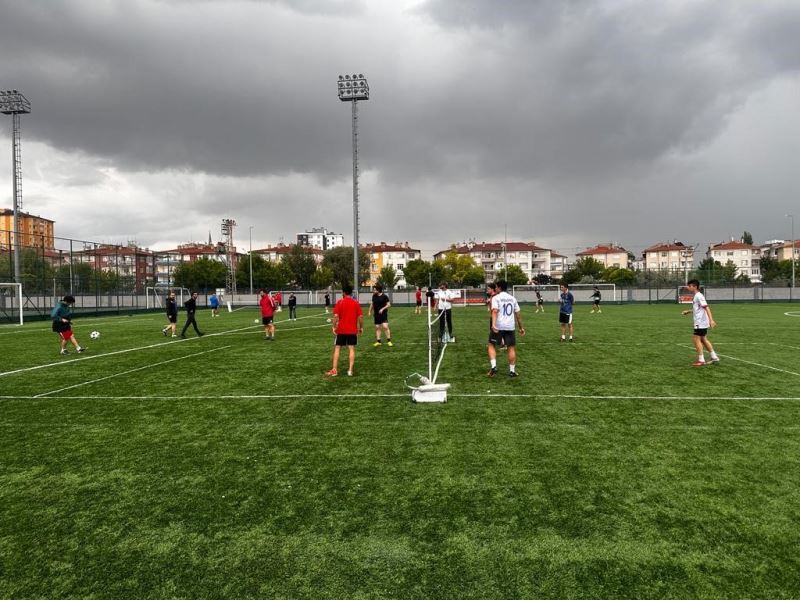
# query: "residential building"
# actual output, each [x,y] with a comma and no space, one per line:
[781,249]
[745,257]
[608,255]
[34,230]
[559,265]
[492,257]
[394,255]
[277,252]
[168,260]
[321,238]
[131,263]
[672,257]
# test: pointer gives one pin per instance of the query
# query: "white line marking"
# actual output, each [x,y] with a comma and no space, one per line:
[92,357]
[792,313]
[452,394]
[749,362]
[163,362]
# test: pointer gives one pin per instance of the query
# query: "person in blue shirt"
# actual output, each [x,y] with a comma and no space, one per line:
[61,315]
[214,303]
[565,314]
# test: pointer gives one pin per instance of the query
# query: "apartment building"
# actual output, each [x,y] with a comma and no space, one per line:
[746,257]
[128,262]
[34,231]
[394,255]
[320,238]
[673,257]
[607,254]
[168,260]
[277,252]
[492,257]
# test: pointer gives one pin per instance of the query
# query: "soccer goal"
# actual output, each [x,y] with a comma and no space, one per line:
[550,293]
[155,295]
[11,302]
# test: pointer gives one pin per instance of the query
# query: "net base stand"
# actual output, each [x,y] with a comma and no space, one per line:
[431,392]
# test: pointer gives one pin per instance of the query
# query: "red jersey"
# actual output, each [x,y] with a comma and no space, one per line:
[267,306]
[348,309]
[419,295]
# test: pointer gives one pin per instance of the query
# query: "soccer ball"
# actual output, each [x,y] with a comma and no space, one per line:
[328,320]
[255,321]
[94,335]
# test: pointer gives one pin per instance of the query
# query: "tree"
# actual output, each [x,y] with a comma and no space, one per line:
[475,277]
[388,277]
[266,275]
[747,238]
[585,269]
[301,263]
[340,262]
[542,279]
[458,267]
[619,276]
[416,272]
[201,274]
[513,274]
[322,278]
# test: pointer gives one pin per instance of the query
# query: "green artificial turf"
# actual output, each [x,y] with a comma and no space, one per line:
[229,467]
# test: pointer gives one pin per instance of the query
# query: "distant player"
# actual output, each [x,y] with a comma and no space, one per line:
[565,313]
[327,302]
[379,309]
[171,306]
[267,305]
[278,298]
[491,291]
[505,320]
[213,301]
[596,300]
[191,308]
[703,320]
[292,307]
[444,305]
[418,297]
[539,302]
[62,324]
[348,323]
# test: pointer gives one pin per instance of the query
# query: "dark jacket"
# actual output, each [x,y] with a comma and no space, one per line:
[190,305]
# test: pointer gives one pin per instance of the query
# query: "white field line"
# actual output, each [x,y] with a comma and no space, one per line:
[749,362]
[455,395]
[94,356]
[792,313]
[283,329]
[150,366]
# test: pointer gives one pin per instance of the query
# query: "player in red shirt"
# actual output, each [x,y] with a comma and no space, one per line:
[267,312]
[348,323]
[418,295]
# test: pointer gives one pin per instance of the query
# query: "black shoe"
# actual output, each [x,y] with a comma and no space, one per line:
[513,374]
[164,331]
[571,340]
[183,335]
[492,372]
[200,334]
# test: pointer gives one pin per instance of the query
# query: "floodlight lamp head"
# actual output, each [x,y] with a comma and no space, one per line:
[353,87]
[14,103]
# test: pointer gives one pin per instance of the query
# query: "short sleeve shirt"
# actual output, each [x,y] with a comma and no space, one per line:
[566,303]
[378,302]
[348,310]
[506,306]
[699,313]
[267,306]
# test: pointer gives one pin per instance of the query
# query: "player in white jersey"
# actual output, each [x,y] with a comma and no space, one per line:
[505,320]
[702,321]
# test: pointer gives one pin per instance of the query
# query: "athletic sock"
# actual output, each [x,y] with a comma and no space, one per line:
[714,356]
[493,363]
[512,368]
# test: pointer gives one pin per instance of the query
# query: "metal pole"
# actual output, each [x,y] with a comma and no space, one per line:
[356,281]
[250,260]
[792,218]
[15,136]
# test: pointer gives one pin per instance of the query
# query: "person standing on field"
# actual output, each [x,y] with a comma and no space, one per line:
[171,306]
[565,313]
[379,308]
[703,321]
[505,320]
[596,300]
[348,323]
[191,308]
[539,302]
[213,301]
[62,324]
[327,302]
[267,305]
[444,305]
[292,307]
[418,298]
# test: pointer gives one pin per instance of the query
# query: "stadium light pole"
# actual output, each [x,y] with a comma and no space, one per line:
[353,88]
[15,104]
[250,260]
[793,244]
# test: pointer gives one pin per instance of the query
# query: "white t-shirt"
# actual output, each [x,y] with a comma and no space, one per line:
[699,312]
[506,306]
[443,298]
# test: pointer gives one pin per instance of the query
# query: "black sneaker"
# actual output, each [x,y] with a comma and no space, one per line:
[513,374]
[492,372]
[183,335]
[571,340]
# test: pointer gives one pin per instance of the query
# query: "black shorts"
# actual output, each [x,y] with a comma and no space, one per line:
[346,339]
[419,302]
[60,326]
[172,318]
[540,301]
[597,302]
[701,332]
[266,320]
[503,338]
[381,318]
[565,318]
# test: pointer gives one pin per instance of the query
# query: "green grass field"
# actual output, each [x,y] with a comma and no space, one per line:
[228,467]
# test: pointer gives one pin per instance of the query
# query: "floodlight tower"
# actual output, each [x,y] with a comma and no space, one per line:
[353,88]
[793,257]
[228,225]
[15,104]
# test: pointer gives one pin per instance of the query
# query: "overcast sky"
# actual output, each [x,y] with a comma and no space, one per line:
[569,122]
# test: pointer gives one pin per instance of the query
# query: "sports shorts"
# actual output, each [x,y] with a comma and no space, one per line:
[701,332]
[266,320]
[172,318]
[346,339]
[503,338]
[381,318]
[565,318]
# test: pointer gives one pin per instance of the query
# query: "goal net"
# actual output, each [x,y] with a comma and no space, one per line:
[11,302]
[155,296]
[550,293]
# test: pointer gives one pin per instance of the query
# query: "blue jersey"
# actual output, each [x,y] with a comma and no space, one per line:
[566,303]
[214,301]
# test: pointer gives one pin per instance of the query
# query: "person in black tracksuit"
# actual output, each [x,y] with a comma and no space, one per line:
[191,307]
[292,307]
